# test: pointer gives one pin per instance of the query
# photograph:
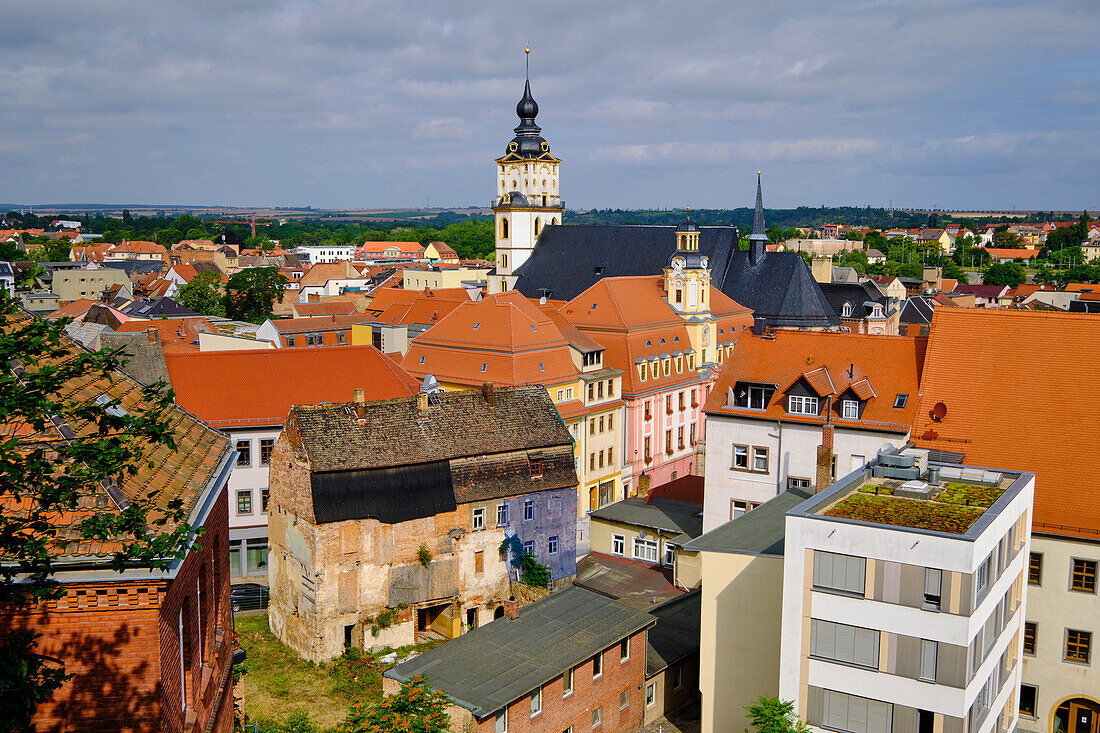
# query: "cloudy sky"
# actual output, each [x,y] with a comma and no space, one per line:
[986,103]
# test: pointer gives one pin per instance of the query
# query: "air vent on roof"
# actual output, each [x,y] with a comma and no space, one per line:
[648,343]
[661,341]
[599,269]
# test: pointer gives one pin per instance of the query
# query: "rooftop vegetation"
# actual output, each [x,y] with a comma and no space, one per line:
[932,515]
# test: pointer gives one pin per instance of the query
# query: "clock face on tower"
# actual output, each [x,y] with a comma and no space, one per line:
[678,263]
[704,262]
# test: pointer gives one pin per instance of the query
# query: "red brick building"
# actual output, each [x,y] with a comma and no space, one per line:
[576,660]
[150,650]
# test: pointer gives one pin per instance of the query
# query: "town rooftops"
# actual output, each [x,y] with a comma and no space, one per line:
[1029,410]
[758,532]
[982,291]
[494,664]
[683,518]
[287,326]
[335,307]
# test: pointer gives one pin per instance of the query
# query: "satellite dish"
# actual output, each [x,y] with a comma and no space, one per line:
[939,412]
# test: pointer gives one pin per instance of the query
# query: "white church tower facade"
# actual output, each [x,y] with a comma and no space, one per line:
[528,198]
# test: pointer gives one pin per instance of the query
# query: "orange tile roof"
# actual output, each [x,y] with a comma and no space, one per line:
[504,339]
[318,323]
[325,308]
[891,363]
[171,330]
[1016,254]
[403,247]
[634,302]
[140,247]
[259,387]
[1034,392]
[75,310]
[322,272]
[1082,288]
[948,284]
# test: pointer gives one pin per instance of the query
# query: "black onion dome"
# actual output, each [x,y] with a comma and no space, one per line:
[687,225]
[527,107]
[528,143]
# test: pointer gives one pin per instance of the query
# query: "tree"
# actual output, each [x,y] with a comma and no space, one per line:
[1064,238]
[952,271]
[250,294]
[772,715]
[415,707]
[203,294]
[1005,239]
[1005,273]
[45,477]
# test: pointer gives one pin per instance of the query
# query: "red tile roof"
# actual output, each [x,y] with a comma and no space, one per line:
[173,330]
[1032,394]
[1016,254]
[1082,287]
[259,387]
[325,308]
[76,309]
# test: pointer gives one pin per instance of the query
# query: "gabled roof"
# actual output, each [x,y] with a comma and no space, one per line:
[259,387]
[682,518]
[176,330]
[892,364]
[322,272]
[158,308]
[855,295]
[676,633]
[287,326]
[918,309]
[76,309]
[405,248]
[332,307]
[1028,408]
[1012,253]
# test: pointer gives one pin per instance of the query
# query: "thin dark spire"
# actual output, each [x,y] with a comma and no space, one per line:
[758,216]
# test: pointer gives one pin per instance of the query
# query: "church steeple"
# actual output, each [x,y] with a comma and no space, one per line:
[758,239]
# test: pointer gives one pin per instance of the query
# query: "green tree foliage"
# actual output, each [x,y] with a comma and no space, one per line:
[875,240]
[56,250]
[10,252]
[772,715]
[782,234]
[416,708]
[856,259]
[203,294]
[532,572]
[1062,238]
[969,254]
[952,270]
[38,371]
[1080,274]
[250,294]
[853,236]
[1002,238]
[1005,273]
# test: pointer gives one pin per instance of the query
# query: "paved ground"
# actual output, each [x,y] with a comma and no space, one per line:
[684,720]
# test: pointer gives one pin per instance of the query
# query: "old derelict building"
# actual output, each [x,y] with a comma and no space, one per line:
[397,520]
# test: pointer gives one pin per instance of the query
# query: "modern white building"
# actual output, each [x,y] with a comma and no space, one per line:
[312,254]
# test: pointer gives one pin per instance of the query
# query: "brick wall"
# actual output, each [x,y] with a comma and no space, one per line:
[559,712]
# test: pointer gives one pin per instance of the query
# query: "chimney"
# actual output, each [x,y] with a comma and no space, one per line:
[421,403]
[825,454]
[152,334]
[359,395]
[488,392]
[511,607]
[822,269]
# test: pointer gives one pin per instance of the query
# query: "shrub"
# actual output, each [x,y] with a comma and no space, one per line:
[424,555]
[415,707]
[532,572]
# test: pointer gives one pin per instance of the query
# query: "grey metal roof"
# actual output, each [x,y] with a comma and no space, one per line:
[918,309]
[676,634]
[491,666]
[670,515]
[758,532]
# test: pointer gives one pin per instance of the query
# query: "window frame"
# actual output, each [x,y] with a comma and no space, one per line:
[624,699]
[244,458]
[477,521]
[1031,638]
[1084,635]
[1034,702]
[552,545]
[1035,569]
[528,509]
[269,445]
[502,514]
[758,452]
[536,702]
[597,665]
[618,540]
[1087,575]
[624,650]
[245,494]
[800,405]
[651,694]
[854,405]
[745,454]
[567,675]
[637,542]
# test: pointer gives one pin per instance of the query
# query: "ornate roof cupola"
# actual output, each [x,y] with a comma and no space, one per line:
[687,274]
[758,239]
[527,192]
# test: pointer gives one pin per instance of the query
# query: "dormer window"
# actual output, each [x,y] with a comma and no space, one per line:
[754,398]
[643,371]
[477,325]
[877,311]
[798,405]
[850,409]
[846,310]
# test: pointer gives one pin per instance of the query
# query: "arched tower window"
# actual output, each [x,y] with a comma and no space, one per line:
[504,261]
[503,228]
[846,310]
[538,225]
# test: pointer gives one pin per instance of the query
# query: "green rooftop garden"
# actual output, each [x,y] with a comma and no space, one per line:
[938,516]
[969,494]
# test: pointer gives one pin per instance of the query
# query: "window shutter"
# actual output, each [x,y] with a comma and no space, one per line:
[836,710]
[878,717]
[823,568]
[857,714]
[857,566]
[866,648]
[845,642]
[932,579]
[928,660]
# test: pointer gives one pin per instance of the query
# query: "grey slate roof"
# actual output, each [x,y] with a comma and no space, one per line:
[670,515]
[144,358]
[855,294]
[759,532]
[569,259]
[918,309]
[502,661]
[158,308]
[676,634]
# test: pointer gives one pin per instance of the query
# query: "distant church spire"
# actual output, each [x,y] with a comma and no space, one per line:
[758,239]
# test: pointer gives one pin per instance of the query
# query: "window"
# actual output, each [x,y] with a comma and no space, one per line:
[341,338]
[529,547]
[244,452]
[611,421]
[592,426]
[900,400]
[597,717]
[677,678]
[843,643]
[933,582]
[737,508]
[846,310]
[648,453]
[760,459]
[479,519]
[645,550]
[479,562]
[741,457]
[670,555]
[981,578]
[536,702]
[264,494]
[601,424]
[536,467]
[683,404]
[668,404]
[1028,695]
[928,651]
[624,650]
[552,545]
[591,461]
[842,573]
[650,694]
[648,414]
[851,409]
[667,366]
[502,514]
[668,441]
[643,371]
[618,544]
[610,456]
[567,683]
[756,398]
[611,388]
[244,501]
[798,405]
[693,433]
[1031,634]
[601,459]
[266,446]
[1078,645]
[855,714]
[597,666]
[680,437]
[794,482]
[591,391]
[502,721]
[290,342]
[528,509]
[1083,578]
[1035,569]
[624,700]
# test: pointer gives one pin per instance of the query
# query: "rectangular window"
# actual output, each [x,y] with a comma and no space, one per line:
[794,482]
[599,390]
[561,395]
[597,717]
[851,409]
[592,426]
[668,441]
[502,515]
[529,547]
[624,650]
[479,519]
[1083,578]
[677,678]
[601,459]
[756,398]
[597,665]
[645,550]
[693,433]
[1035,569]
[536,467]
[567,683]
[799,405]
[528,510]
[536,702]
[643,371]
[618,544]
[1078,645]
[591,391]
[601,424]
[290,342]
[668,366]
[670,555]
[1028,696]
[933,582]
[760,459]
[855,714]
[479,562]
[611,388]
[680,437]
[668,404]
[650,694]
[741,457]
[981,578]
[341,338]
[244,502]
[244,452]
[843,573]
[648,453]
[737,508]
[928,651]
[502,721]
[843,643]
[266,446]
[694,402]
[552,545]
[1031,635]
[683,404]
[624,700]
[648,413]
[610,456]
[264,495]
[591,461]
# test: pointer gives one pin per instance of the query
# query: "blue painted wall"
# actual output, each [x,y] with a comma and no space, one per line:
[554,514]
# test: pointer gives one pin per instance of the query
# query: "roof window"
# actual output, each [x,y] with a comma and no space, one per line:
[477,325]
[484,367]
[534,327]
[422,360]
[541,367]
[900,400]
[648,343]
[661,341]
[113,410]
[599,269]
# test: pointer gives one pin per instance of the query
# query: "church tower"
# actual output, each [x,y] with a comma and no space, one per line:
[527,197]
[687,274]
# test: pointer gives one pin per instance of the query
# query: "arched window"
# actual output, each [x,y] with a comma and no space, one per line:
[514,184]
[544,183]
[554,220]
[504,260]
[538,226]
[503,228]
[846,310]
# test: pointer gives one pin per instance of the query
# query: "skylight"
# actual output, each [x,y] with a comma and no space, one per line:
[113,410]
[900,400]
[484,367]
[542,368]
[477,325]
[422,360]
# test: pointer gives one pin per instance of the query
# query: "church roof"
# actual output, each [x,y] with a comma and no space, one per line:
[570,259]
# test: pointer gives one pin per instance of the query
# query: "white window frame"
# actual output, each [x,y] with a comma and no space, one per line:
[528,509]
[929,651]
[799,405]
[740,451]
[597,717]
[624,645]
[759,453]
[753,394]
[566,691]
[502,720]
[645,546]
[850,409]
[536,702]
[597,665]
[478,521]
[502,514]
[618,544]
[651,694]
[669,556]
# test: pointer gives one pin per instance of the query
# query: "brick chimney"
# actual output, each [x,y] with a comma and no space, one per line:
[825,456]
[489,393]
[152,334]
[511,607]
[359,395]
[421,403]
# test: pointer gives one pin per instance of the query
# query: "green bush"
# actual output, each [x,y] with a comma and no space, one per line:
[534,573]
